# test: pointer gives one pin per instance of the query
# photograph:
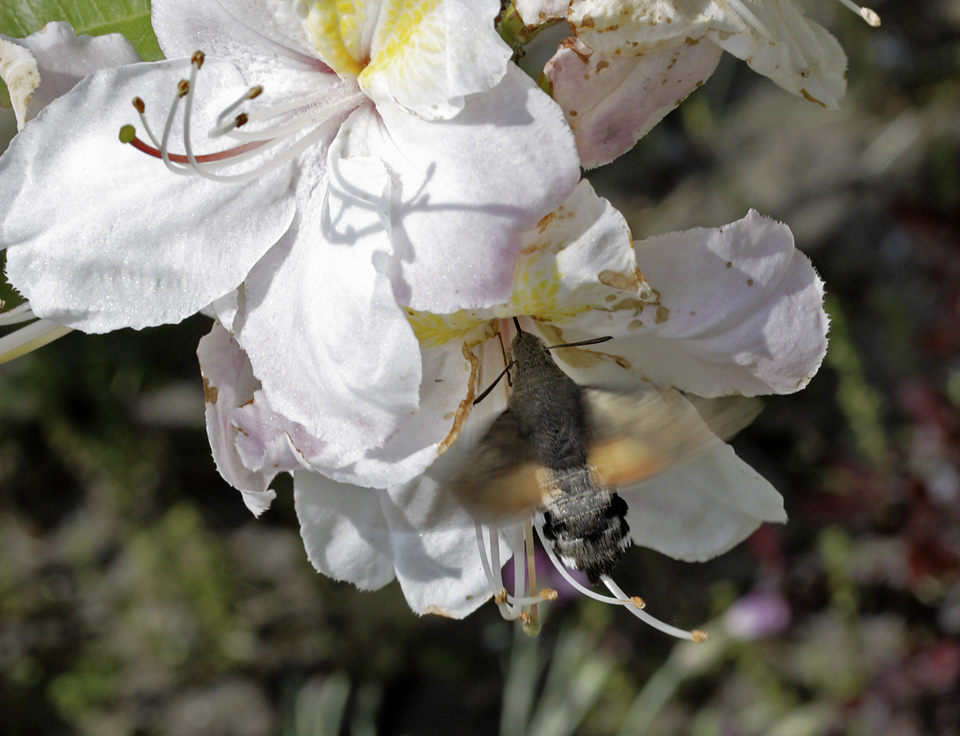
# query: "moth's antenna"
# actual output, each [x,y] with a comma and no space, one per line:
[504,372]
[594,341]
[492,386]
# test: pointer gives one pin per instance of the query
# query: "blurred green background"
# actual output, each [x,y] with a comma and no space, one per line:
[138,596]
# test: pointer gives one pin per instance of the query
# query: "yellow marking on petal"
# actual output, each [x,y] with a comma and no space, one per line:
[405,38]
[433,330]
[336,30]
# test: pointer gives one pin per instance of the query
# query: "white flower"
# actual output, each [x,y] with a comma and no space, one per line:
[387,152]
[733,310]
[633,61]
[37,70]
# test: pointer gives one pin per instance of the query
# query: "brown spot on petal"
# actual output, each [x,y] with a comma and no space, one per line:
[811,98]
[619,280]
[435,611]
[729,264]
[209,392]
[602,65]
[663,314]
[634,325]
[545,221]
[749,282]
[626,305]
[466,404]
[587,22]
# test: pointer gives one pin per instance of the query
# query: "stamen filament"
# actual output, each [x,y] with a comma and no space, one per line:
[746,14]
[562,569]
[20,313]
[320,113]
[491,568]
[29,338]
[274,163]
[250,94]
[697,636]
[531,563]
[168,126]
[511,605]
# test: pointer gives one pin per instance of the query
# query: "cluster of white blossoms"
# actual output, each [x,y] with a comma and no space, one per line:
[364,196]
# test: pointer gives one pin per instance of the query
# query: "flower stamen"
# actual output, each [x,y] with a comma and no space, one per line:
[696,635]
[319,112]
[634,604]
[28,338]
[870,16]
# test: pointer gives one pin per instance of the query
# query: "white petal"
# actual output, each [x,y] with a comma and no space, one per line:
[637,27]
[773,36]
[323,331]
[423,434]
[613,100]
[344,530]
[740,311]
[251,443]
[796,53]
[702,508]
[18,70]
[48,63]
[228,383]
[101,236]
[535,12]
[416,532]
[427,57]
[464,190]
[579,258]
[271,443]
[435,548]
[266,41]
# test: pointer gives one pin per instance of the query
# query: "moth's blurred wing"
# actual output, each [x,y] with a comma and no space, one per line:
[726,415]
[501,477]
[634,437]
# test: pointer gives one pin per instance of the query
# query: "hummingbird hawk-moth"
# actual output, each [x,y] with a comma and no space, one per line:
[563,449]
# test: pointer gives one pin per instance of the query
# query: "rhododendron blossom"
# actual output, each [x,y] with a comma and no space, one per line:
[306,168]
[732,310]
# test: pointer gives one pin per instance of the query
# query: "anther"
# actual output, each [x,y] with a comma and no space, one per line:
[139,105]
[870,16]
[699,636]
[254,92]
[638,602]
[241,120]
[501,597]
[183,88]
[548,594]
[197,59]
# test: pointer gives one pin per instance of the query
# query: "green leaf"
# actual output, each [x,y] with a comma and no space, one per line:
[19,18]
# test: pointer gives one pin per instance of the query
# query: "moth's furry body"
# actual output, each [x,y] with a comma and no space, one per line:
[585,522]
